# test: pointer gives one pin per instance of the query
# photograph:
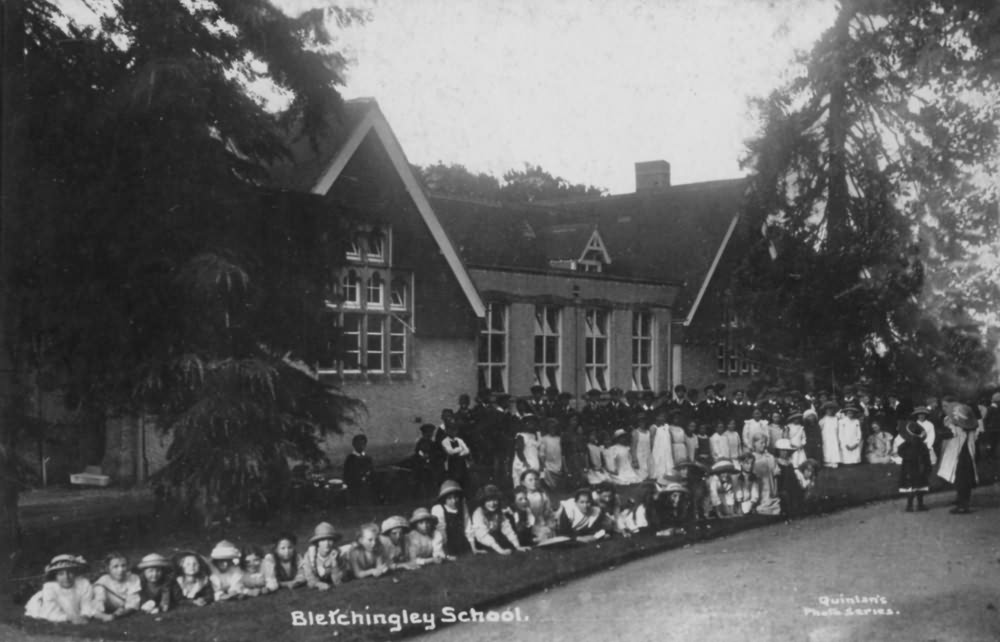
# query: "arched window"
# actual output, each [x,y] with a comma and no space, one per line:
[351,289]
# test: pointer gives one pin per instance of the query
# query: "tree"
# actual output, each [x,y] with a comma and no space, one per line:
[153,272]
[456,180]
[871,146]
[535,184]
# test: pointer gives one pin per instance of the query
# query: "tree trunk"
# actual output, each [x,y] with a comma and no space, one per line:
[837,205]
[11,152]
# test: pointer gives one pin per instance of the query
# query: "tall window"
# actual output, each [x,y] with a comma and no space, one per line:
[372,309]
[547,330]
[595,361]
[731,354]
[493,349]
[642,350]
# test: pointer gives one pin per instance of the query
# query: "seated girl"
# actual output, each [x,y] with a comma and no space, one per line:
[577,517]
[321,563]
[540,505]
[66,596]
[490,528]
[595,457]
[605,498]
[878,446]
[807,473]
[673,505]
[520,517]
[720,489]
[618,460]
[639,514]
[421,545]
[765,469]
[454,527]
[254,579]
[394,543]
[746,488]
[118,589]
[227,578]
[194,580]
[282,567]
[367,558]
[156,594]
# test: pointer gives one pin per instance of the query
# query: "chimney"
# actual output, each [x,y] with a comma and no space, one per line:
[652,175]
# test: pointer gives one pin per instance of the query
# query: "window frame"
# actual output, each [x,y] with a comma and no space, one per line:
[638,340]
[488,334]
[544,333]
[592,339]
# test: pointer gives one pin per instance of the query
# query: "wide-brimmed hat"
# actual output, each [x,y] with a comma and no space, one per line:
[449,487]
[225,550]
[920,410]
[153,560]
[422,514]
[673,486]
[830,404]
[64,562]
[851,408]
[396,521]
[793,417]
[325,530]
[488,492]
[783,444]
[619,433]
[962,417]
[723,467]
[666,480]
[810,463]
[686,465]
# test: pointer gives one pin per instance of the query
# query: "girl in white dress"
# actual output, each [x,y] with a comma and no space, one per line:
[526,446]
[642,448]
[621,469]
[849,435]
[662,456]
[829,429]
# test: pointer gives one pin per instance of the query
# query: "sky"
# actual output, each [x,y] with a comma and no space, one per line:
[584,88]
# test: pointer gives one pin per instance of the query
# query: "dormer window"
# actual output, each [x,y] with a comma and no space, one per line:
[595,256]
[370,245]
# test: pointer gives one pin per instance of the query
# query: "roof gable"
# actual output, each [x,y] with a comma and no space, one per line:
[323,166]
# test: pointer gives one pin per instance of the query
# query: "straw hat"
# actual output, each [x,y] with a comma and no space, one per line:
[675,487]
[619,433]
[449,487]
[851,408]
[962,417]
[422,514]
[396,521]
[783,444]
[489,492]
[63,562]
[795,416]
[830,405]
[153,560]
[225,550]
[915,430]
[324,530]
[920,410]
[723,467]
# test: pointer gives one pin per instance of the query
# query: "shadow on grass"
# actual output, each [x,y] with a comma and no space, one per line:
[480,582]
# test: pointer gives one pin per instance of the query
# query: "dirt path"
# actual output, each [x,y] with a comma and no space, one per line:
[935,575]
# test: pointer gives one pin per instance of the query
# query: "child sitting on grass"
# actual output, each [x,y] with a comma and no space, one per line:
[491,529]
[227,578]
[421,547]
[118,589]
[156,595]
[367,558]
[66,596]
[454,527]
[282,568]
[521,519]
[746,488]
[321,562]
[254,579]
[579,518]
[194,580]
[720,489]
[540,505]
[394,542]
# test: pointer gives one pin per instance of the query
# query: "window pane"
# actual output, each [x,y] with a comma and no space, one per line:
[539,349]
[497,351]
[551,349]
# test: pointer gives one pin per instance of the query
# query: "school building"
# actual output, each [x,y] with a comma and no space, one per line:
[440,296]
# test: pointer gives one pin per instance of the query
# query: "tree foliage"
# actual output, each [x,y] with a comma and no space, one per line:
[862,178]
[519,186]
[157,274]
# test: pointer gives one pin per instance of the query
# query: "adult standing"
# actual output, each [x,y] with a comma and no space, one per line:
[958,465]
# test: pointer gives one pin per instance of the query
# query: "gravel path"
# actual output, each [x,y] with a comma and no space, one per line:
[936,576]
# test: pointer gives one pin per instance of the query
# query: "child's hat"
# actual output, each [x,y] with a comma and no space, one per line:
[63,562]
[225,550]
[675,487]
[324,530]
[961,416]
[396,521]
[920,410]
[153,560]
[619,433]
[831,405]
[793,417]
[851,408]
[783,444]
[723,467]
[488,492]
[422,514]
[811,464]
[666,480]
[449,487]
[915,430]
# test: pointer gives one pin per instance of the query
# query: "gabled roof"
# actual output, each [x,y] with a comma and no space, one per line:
[316,166]
[675,234]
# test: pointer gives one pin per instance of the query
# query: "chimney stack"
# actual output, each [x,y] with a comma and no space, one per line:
[652,175]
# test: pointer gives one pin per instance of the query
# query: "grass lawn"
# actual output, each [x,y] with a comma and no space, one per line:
[483,582]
